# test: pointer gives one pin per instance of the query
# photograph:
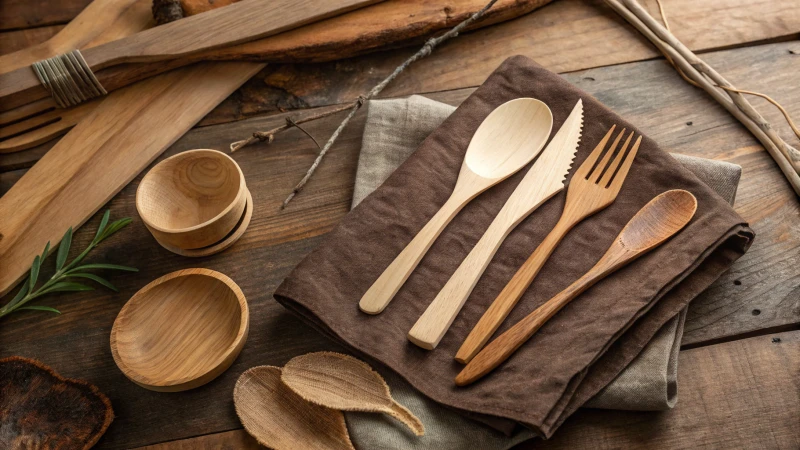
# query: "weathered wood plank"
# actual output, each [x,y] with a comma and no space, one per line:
[564,36]
[734,395]
[11,41]
[16,14]
[76,343]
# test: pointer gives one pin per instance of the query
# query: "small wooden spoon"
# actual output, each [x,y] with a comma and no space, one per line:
[280,419]
[342,382]
[656,222]
[507,140]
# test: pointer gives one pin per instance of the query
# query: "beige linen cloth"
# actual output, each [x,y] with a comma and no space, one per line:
[394,130]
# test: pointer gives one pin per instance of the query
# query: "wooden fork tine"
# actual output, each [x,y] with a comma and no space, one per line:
[583,170]
[616,184]
[606,158]
[612,169]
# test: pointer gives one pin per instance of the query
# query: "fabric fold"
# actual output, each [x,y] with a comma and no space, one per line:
[579,351]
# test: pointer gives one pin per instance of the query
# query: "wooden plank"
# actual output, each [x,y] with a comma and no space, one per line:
[659,103]
[16,14]
[734,395]
[564,36]
[11,41]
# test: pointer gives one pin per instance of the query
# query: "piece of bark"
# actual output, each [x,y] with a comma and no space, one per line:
[41,409]
[192,7]
[165,11]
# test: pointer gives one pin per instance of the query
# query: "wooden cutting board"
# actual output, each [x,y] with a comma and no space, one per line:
[102,154]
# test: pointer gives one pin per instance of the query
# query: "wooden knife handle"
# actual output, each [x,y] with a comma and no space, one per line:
[511,293]
[437,318]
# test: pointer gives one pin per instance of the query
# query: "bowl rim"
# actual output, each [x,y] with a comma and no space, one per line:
[227,210]
[233,349]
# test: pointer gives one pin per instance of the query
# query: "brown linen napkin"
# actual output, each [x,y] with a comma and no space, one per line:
[393,131]
[580,350]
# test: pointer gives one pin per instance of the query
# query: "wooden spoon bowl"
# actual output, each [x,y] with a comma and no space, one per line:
[181,330]
[192,199]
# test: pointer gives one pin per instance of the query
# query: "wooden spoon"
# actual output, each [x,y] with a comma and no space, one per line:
[507,140]
[345,383]
[280,419]
[656,222]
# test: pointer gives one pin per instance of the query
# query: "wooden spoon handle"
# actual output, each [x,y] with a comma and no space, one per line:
[386,286]
[408,418]
[510,295]
[507,343]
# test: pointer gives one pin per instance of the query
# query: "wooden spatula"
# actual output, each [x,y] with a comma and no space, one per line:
[240,22]
[656,222]
[507,140]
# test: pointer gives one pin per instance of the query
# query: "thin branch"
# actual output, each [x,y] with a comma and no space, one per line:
[700,73]
[426,50]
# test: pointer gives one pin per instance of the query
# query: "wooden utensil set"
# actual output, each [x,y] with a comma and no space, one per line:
[594,186]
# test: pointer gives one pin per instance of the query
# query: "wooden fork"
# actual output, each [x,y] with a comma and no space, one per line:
[593,187]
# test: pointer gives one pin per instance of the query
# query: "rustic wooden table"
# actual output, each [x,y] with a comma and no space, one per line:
[740,363]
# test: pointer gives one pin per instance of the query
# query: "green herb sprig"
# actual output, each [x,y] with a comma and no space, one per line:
[60,281]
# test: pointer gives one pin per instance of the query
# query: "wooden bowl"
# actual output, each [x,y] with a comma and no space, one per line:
[180,331]
[193,199]
[225,243]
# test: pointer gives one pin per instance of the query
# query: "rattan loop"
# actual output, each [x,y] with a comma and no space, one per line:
[68,78]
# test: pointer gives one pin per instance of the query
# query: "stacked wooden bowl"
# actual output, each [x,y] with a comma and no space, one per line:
[195,203]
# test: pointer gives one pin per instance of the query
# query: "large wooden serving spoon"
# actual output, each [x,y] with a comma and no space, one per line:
[656,222]
[507,140]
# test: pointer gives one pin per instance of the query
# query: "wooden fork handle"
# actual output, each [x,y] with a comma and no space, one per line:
[507,343]
[386,286]
[511,293]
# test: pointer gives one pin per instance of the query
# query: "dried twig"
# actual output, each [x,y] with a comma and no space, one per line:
[702,75]
[356,105]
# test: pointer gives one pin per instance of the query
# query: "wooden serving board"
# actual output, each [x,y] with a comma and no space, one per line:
[102,154]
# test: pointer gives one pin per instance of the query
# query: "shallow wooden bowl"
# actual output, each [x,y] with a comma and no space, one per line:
[180,331]
[193,199]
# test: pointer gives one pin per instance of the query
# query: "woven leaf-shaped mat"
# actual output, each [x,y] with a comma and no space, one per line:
[280,419]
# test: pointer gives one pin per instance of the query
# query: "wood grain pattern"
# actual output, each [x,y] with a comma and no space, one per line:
[585,33]
[656,222]
[181,331]
[342,382]
[90,24]
[241,22]
[661,105]
[193,199]
[101,155]
[544,179]
[17,14]
[587,194]
[505,142]
[741,393]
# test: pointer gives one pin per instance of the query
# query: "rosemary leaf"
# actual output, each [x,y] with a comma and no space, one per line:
[63,249]
[41,308]
[114,227]
[66,286]
[37,264]
[95,278]
[101,266]
[20,295]
[102,226]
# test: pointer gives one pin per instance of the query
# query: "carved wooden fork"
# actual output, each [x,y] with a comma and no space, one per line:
[593,187]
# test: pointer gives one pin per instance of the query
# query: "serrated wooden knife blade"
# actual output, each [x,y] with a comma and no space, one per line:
[544,180]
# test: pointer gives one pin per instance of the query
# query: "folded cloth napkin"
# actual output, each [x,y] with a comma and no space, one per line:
[581,349]
[396,127]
